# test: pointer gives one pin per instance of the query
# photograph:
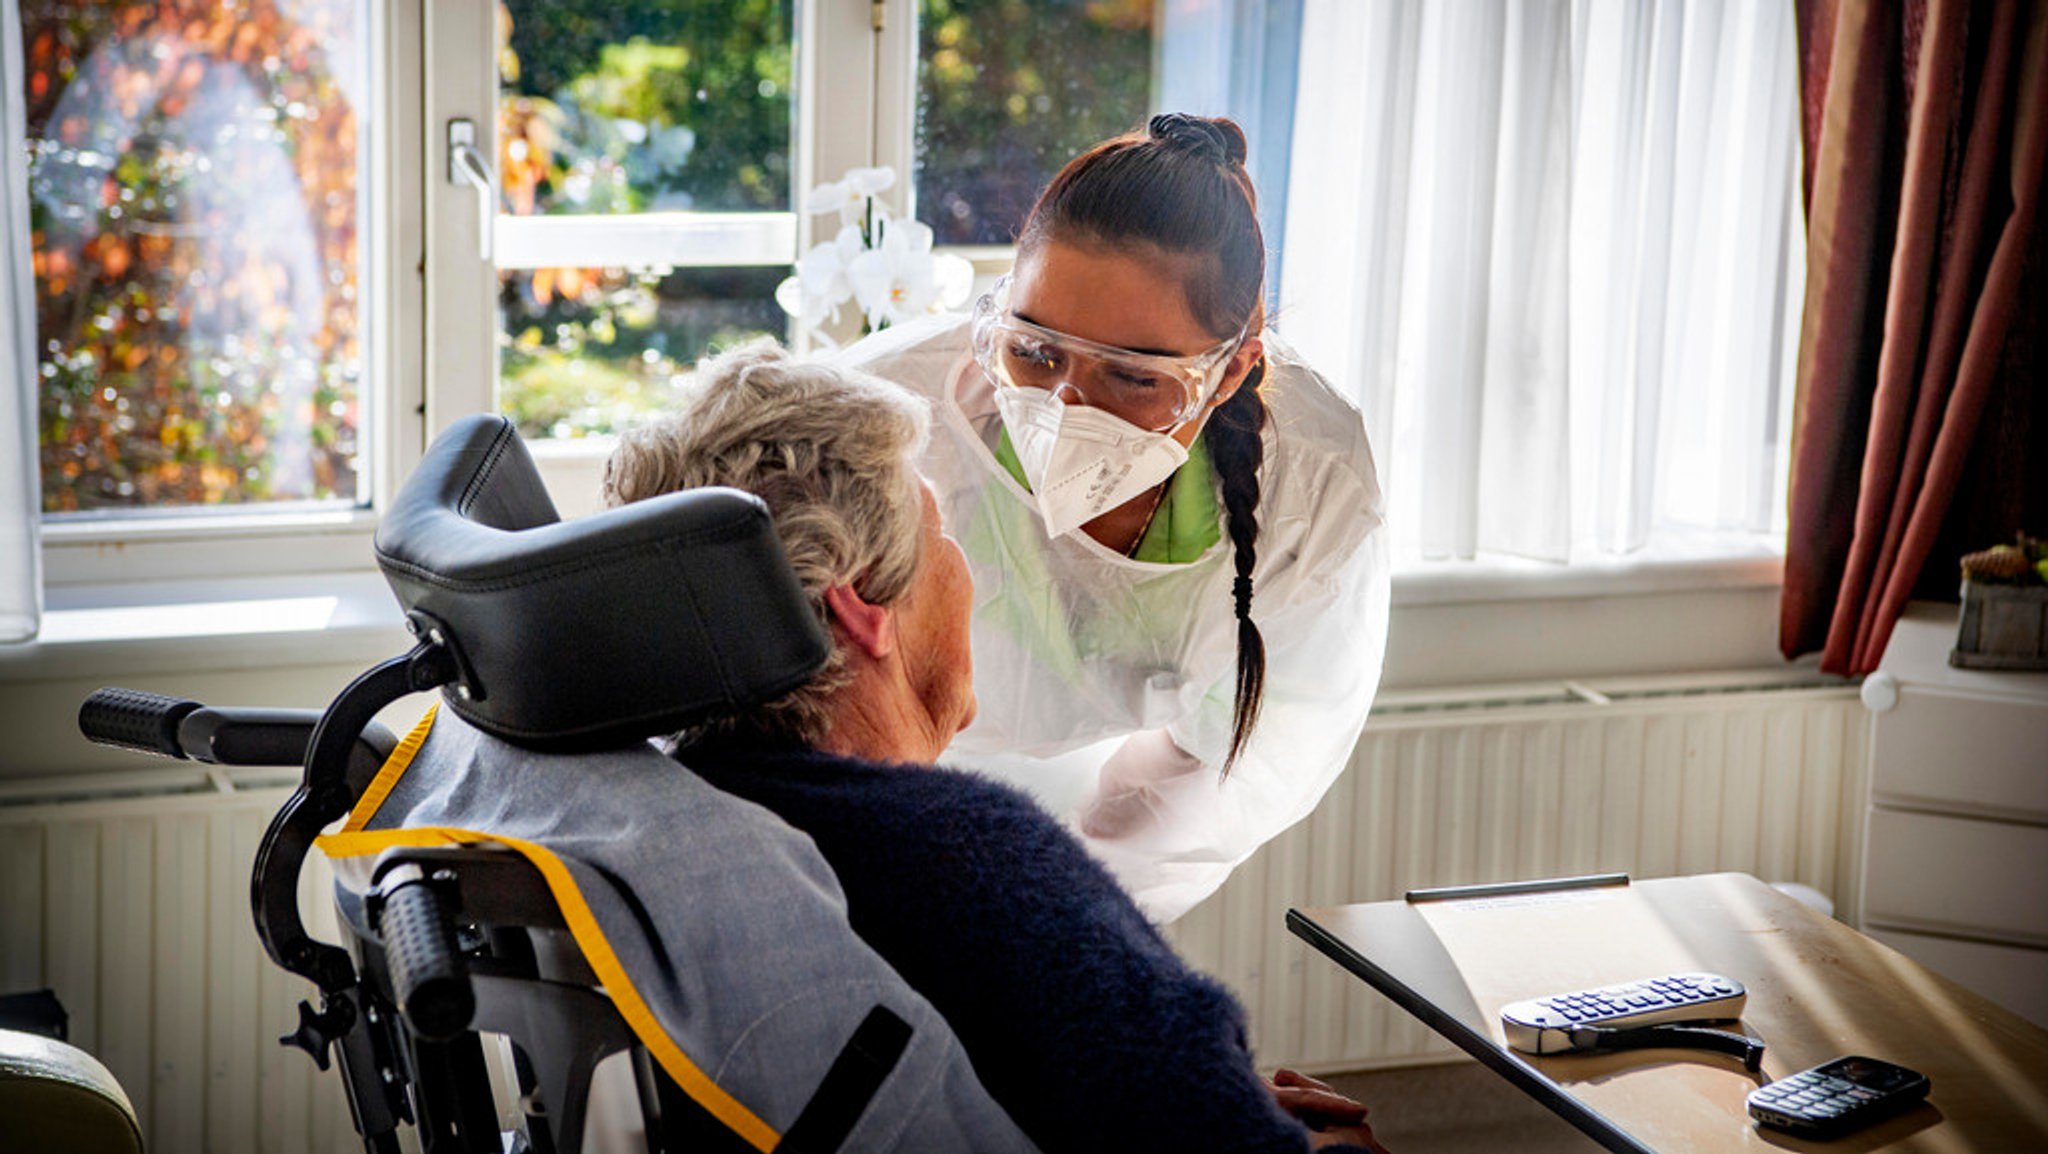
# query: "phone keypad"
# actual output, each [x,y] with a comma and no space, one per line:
[1812,1094]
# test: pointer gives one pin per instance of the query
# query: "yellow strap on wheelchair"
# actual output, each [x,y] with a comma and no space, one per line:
[354,841]
[387,777]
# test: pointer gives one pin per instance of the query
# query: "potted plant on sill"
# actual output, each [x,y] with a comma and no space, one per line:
[2005,608]
[884,266]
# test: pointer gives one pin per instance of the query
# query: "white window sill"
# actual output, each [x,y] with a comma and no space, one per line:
[221,548]
[296,639]
[1717,563]
[133,629]
[1453,622]
[145,552]
[1707,604]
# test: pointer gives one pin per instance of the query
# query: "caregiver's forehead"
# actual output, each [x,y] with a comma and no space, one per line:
[1126,299]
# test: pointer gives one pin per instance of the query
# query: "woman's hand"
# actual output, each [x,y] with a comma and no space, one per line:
[1331,1118]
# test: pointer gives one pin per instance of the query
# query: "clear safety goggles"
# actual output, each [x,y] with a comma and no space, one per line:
[1155,392]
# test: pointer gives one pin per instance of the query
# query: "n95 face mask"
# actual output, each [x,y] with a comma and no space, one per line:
[1082,462]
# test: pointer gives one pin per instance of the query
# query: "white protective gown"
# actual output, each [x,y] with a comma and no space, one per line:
[1105,684]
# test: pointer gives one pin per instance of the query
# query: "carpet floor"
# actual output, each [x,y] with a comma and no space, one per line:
[1458,1108]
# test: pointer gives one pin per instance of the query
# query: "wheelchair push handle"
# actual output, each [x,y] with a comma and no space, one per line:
[428,975]
[133,719]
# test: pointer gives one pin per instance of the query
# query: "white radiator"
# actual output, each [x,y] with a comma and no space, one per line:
[1654,779]
[136,909]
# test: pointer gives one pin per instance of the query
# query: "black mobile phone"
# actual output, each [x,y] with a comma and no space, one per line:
[1836,1097]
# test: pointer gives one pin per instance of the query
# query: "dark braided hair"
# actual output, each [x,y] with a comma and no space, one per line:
[1180,188]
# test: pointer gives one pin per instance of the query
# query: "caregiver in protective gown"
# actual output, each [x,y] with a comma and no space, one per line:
[1180,577]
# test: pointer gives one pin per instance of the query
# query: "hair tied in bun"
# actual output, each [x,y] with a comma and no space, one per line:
[1205,138]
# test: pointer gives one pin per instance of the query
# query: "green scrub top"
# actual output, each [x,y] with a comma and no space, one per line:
[1187,521]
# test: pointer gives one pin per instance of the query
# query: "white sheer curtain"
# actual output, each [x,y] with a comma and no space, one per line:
[1237,58]
[20,499]
[1545,245]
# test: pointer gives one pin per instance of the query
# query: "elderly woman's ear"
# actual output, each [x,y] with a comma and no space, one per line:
[871,628]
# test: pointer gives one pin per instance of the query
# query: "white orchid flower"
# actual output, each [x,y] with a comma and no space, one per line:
[895,282]
[823,269]
[790,295]
[869,181]
[886,266]
[953,279]
[820,286]
[830,196]
[849,195]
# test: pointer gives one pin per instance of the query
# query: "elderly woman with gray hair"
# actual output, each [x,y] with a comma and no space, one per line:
[1079,1019]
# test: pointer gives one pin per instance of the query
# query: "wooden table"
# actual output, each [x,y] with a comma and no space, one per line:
[1817,990]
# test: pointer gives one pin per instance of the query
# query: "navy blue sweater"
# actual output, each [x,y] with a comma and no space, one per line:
[1078,1017]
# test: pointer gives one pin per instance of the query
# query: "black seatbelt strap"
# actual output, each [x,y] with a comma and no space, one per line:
[859,1071]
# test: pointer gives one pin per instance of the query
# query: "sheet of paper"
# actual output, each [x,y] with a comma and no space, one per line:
[1530,945]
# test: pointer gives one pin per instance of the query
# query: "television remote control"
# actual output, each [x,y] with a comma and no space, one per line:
[1544,1025]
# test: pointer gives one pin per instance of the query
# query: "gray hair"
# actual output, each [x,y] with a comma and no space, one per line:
[831,450]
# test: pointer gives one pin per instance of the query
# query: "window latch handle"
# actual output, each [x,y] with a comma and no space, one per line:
[467,167]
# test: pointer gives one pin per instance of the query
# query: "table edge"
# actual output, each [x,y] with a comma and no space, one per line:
[1588,1120]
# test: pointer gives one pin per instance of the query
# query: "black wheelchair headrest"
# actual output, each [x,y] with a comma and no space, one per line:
[583,634]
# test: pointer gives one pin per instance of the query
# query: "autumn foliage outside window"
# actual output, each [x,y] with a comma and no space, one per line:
[200,232]
[196,218]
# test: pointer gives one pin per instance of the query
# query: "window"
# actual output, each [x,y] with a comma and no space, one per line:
[645,162]
[237,403]
[998,113]
[1553,251]
[219,186]
[226,359]
[650,159]
[199,233]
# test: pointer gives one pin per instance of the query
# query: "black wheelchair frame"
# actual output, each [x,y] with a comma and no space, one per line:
[451,943]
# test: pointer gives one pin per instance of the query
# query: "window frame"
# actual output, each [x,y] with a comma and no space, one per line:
[431,308]
[175,545]
[849,114]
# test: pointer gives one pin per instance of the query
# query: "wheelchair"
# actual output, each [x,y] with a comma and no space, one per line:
[558,649]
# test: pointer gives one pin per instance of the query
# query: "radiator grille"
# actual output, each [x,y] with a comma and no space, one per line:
[1652,782]
[136,912]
